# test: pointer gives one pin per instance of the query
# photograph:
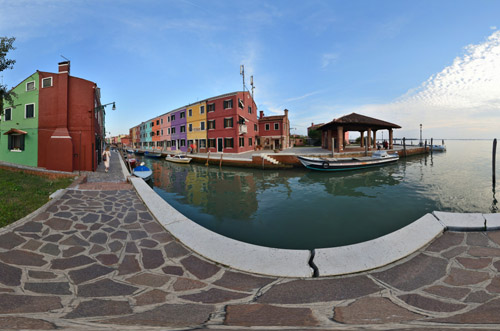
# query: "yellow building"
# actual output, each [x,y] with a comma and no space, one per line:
[196,126]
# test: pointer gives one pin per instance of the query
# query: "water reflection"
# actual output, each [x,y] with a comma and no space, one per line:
[307,209]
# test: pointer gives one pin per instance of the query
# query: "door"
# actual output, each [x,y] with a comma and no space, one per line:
[219,145]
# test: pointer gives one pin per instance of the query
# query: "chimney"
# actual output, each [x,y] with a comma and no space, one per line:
[261,113]
[64,67]
[286,112]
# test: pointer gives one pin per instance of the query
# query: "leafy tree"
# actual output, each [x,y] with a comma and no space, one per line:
[314,134]
[5,47]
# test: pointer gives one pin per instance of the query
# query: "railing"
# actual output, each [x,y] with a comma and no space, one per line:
[243,129]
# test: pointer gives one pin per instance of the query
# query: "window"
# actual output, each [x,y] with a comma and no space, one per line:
[8,114]
[169,143]
[202,110]
[190,112]
[228,143]
[249,141]
[157,132]
[211,107]
[183,128]
[255,128]
[242,141]
[276,126]
[267,127]
[203,143]
[168,130]
[249,109]
[168,119]
[190,128]
[211,125]
[173,117]
[30,86]
[173,143]
[16,142]
[162,121]
[182,143]
[240,103]
[162,132]
[29,110]
[173,130]
[157,122]
[182,115]
[46,82]
[152,134]
[211,143]
[202,126]
[228,122]
[152,124]
[228,104]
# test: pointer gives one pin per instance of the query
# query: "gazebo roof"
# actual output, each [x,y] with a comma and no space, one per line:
[357,122]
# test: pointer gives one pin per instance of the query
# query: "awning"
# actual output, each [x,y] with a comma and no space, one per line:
[15,131]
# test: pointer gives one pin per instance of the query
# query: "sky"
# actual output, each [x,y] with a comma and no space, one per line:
[435,63]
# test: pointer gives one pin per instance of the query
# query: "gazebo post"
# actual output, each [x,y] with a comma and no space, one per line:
[340,138]
[375,139]
[391,146]
[369,136]
[362,134]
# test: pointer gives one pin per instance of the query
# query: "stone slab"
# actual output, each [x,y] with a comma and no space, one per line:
[492,221]
[223,250]
[461,221]
[380,251]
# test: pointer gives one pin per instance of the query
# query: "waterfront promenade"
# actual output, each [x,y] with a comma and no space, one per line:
[96,258]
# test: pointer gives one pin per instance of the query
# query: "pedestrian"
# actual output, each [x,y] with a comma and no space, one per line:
[106,156]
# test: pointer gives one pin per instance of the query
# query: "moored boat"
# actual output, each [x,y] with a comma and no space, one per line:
[132,162]
[378,158]
[138,152]
[178,158]
[155,155]
[143,172]
[438,148]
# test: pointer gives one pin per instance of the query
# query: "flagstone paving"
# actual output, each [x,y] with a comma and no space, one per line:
[96,258]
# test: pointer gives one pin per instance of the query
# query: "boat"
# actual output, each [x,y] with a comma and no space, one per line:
[130,151]
[143,172]
[138,152]
[132,162]
[178,158]
[155,155]
[378,158]
[438,148]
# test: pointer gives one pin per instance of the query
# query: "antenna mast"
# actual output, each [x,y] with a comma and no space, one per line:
[251,83]
[242,73]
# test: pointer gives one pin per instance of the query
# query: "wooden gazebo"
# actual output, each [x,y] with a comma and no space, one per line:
[354,122]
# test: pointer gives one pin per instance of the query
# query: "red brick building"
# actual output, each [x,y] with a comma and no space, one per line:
[232,123]
[274,131]
[71,122]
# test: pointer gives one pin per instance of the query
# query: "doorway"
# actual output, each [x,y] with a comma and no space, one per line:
[219,145]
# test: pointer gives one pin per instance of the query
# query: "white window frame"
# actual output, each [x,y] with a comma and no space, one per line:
[45,79]
[202,110]
[268,126]
[232,123]
[5,114]
[34,86]
[181,129]
[202,126]
[229,103]
[276,126]
[26,110]
[190,112]
[190,127]
[182,115]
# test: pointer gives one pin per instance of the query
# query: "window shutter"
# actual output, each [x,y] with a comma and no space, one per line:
[10,141]
[22,142]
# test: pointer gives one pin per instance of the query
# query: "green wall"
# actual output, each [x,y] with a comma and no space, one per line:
[29,156]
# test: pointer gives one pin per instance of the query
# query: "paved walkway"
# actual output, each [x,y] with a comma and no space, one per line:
[96,258]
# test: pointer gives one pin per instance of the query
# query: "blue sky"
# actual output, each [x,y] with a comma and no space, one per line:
[407,62]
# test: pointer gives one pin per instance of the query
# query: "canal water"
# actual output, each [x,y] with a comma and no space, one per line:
[303,209]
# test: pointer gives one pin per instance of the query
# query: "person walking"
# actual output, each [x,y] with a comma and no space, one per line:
[106,156]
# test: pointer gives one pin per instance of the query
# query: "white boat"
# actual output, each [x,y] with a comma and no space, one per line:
[438,148]
[143,172]
[378,158]
[178,158]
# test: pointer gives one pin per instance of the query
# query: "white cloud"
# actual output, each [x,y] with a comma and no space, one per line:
[493,27]
[328,59]
[461,101]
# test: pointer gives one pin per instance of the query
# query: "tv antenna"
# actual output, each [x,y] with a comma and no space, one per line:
[242,73]
[251,84]
[65,58]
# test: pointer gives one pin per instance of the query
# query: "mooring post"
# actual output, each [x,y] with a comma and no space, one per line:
[425,146]
[404,146]
[333,146]
[493,164]
[208,158]
[220,163]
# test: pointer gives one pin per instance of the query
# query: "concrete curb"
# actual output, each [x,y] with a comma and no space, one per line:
[380,251]
[232,253]
[461,222]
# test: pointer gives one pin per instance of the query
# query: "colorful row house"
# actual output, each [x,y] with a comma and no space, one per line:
[226,123]
[56,121]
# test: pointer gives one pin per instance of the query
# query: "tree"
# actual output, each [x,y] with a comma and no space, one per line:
[5,47]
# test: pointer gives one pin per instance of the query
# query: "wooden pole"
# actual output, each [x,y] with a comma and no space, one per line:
[208,158]
[220,163]
[432,144]
[425,146]
[333,146]
[404,146]
[493,163]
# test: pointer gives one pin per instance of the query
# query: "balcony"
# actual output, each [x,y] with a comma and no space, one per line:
[243,129]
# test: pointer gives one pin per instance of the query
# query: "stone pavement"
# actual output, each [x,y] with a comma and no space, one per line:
[97,259]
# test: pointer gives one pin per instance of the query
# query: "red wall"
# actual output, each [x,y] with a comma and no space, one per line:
[68,107]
